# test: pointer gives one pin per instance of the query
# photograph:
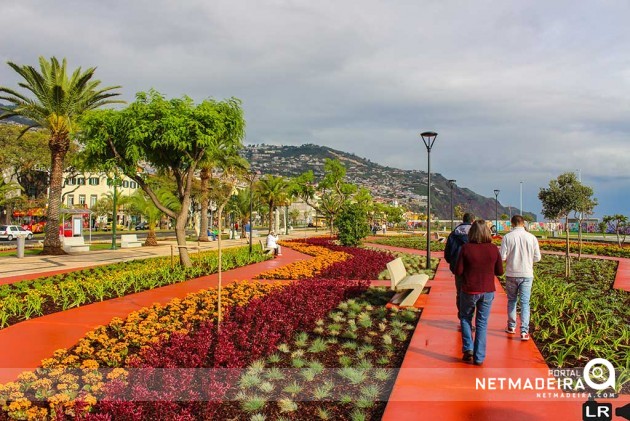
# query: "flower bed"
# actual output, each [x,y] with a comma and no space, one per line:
[27,299]
[77,375]
[342,369]
[596,249]
[247,334]
[410,242]
[307,268]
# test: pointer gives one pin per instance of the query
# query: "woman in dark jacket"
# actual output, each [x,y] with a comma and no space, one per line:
[479,262]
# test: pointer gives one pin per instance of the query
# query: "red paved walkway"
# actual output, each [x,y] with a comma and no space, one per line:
[435,384]
[33,340]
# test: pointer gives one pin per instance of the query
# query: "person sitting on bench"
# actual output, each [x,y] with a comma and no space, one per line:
[213,233]
[272,243]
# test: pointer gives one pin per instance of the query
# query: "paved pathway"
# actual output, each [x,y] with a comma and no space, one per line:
[434,383]
[13,269]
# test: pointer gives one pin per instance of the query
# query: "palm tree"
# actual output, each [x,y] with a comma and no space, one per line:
[239,205]
[142,204]
[274,191]
[58,102]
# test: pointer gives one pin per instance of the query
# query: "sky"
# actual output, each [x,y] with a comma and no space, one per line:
[517,91]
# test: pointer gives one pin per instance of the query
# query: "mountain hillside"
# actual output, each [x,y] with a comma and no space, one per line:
[407,187]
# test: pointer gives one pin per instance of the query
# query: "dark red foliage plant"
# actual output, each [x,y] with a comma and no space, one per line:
[185,377]
[364,263]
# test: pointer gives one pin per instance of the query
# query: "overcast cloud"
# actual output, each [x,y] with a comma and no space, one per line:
[518,91]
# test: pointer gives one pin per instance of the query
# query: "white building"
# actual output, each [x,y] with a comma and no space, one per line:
[84,190]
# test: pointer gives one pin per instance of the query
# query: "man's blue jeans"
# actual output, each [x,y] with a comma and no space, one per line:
[469,305]
[518,288]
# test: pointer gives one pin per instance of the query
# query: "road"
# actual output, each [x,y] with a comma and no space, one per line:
[103,236]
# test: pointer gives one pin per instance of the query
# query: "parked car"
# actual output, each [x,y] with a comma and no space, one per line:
[9,232]
[142,226]
[108,227]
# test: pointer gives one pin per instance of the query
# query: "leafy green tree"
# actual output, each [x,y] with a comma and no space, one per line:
[619,224]
[216,157]
[458,212]
[504,217]
[585,206]
[563,196]
[223,187]
[603,227]
[58,101]
[329,195]
[274,191]
[294,216]
[352,224]
[9,197]
[26,158]
[170,136]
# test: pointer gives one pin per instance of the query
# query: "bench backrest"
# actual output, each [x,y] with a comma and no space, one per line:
[262,245]
[397,271]
[73,241]
[129,238]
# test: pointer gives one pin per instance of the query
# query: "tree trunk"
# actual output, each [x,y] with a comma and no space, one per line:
[151,237]
[58,148]
[271,218]
[180,234]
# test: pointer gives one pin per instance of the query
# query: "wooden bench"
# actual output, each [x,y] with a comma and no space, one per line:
[74,244]
[129,241]
[437,237]
[401,282]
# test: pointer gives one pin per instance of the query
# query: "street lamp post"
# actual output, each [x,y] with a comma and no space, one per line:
[452,184]
[429,139]
[496,208]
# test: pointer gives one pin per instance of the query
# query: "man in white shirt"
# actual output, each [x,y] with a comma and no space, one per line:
[520,250]
[272,243]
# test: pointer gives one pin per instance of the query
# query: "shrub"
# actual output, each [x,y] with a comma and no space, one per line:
[352,224]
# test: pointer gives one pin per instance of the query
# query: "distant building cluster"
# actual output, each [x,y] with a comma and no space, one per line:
[386,184]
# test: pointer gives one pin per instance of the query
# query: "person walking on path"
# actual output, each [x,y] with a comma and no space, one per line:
[456,239]
[520,250]
[479,262]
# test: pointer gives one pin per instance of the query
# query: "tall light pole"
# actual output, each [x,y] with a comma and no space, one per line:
[429,139]
[496,209]
[521,208]
[452,184]
[252,177]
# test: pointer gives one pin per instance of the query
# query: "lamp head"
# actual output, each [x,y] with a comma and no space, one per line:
[428,138]
[496,192]
[451,182]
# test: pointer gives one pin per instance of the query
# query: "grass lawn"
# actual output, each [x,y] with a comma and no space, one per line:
[27,252]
